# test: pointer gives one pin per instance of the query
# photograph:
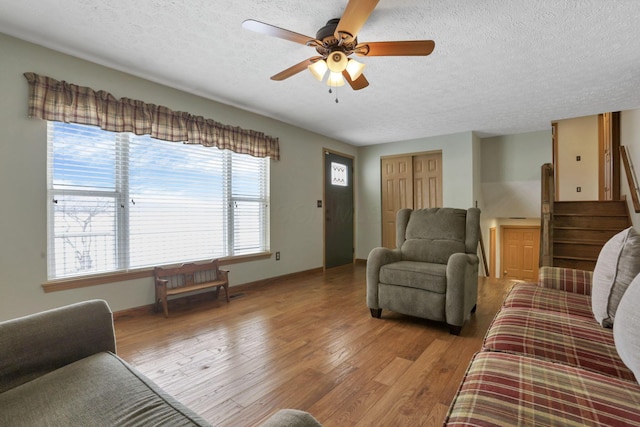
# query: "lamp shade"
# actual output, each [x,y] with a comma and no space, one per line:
[337,61]
[318,69]
[354,68]
[335,80]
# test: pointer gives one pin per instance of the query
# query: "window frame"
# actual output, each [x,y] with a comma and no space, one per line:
[120,195]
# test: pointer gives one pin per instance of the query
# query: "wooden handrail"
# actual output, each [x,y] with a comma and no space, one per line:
[631,178]
[484,257]
[546,215]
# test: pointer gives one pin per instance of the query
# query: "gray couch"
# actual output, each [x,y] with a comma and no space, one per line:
[433,273]
[59,368]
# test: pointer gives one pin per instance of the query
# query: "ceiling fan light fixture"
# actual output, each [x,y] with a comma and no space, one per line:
[355,69]
[337,61]
[335,79]
[318,69]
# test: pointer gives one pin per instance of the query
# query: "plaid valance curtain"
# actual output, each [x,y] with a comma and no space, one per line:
[50,99]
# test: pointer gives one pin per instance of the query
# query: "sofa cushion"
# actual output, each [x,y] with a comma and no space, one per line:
[419,275]
[506,390]
[617,265]
[626,330]
[98,390]
[566,279]
[527,295]
[567,339]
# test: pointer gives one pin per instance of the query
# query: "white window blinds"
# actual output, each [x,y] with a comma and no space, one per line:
[120,201]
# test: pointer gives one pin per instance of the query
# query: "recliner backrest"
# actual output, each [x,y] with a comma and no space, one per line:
[434,234]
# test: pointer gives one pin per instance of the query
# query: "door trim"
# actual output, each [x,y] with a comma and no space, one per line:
[326,151]
[492,252]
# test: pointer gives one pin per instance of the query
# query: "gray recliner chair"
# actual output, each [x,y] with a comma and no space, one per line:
[433,273]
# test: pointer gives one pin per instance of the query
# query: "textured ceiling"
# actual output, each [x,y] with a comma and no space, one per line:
[499,66]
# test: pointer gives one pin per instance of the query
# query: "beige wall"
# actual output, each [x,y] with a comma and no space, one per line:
[577,137]
[296,222]
[511,173]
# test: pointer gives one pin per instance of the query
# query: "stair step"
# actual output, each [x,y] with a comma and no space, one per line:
[575,258]
[595,207]
[583,234]
[581,229]
[580,250]
[618,222]
[598,243]
[580,264]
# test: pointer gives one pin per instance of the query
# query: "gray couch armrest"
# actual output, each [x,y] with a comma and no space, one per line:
[462,287]
[34,345]
[376,259]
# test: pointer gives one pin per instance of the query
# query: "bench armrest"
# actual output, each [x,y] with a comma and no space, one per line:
[34,345]
[566,279]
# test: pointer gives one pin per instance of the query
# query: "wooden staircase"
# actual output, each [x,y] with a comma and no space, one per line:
[581,228]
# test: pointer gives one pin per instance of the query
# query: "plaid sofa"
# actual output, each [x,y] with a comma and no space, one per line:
[546,361]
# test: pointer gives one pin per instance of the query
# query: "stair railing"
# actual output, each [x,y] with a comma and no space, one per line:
[546,215]
[632,180]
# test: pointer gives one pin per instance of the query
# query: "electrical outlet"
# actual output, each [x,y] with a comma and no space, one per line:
[577,158]
[277,256]
[578,189]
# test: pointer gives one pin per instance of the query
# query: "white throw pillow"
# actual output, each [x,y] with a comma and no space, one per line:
[626,330]
[618,264]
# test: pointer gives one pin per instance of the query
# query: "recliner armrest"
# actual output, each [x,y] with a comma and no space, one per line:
[34,345]
[376,259]
[458,265]
[462,287]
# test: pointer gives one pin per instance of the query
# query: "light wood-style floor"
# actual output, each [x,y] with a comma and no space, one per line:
[308,343]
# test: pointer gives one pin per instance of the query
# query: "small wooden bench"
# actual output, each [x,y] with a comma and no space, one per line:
[188,278]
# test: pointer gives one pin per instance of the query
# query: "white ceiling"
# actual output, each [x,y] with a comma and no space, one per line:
[499,66]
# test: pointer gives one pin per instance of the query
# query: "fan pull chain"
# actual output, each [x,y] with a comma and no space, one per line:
[331,91]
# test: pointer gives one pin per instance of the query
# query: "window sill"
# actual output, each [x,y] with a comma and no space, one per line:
[120,276]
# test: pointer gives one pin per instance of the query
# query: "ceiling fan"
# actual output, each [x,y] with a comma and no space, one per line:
[336,41]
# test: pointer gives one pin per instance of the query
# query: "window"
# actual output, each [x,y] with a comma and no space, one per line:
[120,201]
[339,174]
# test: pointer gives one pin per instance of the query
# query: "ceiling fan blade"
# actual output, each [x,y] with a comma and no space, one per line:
[357,84]
[300,66]
[355,15]
[400,48]
[273,31]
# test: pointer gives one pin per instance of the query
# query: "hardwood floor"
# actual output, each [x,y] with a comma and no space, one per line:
[308,343]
